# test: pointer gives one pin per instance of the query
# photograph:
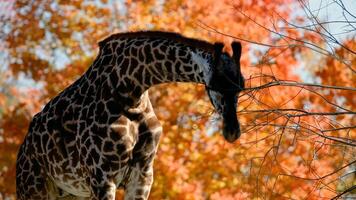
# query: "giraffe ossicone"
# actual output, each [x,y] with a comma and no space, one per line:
[101,133]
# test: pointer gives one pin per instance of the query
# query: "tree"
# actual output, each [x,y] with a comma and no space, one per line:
[297,138]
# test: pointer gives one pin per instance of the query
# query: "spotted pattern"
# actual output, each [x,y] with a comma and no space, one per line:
[101,133]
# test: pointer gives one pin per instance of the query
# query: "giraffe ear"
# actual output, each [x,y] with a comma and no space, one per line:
[236,49]
[218,47]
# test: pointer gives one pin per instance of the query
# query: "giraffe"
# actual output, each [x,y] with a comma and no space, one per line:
[101,133]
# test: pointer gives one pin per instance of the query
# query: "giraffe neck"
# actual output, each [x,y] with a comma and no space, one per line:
[133,65]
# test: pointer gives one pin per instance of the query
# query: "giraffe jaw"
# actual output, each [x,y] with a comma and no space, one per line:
[225,104]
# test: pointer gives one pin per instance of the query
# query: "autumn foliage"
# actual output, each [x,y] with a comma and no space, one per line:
[298,139]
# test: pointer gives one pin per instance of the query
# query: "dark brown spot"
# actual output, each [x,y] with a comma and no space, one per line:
[134,51]
[133,65]
[108,146]
[106,60]
[119,60]
[158,55]
[94,155]
[171,54]
[148,54]
[168,66]
[141,57]
[163,48]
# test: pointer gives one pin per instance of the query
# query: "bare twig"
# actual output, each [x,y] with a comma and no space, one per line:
[305,113]
[295,83]
[345,191]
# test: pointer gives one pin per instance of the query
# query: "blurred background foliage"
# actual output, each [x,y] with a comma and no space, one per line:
[298,140]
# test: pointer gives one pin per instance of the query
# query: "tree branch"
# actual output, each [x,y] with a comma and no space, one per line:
[295,83]
[344,192]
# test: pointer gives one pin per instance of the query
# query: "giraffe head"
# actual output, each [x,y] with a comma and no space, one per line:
[223,86]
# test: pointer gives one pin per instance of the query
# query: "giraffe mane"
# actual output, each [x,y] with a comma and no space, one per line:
[200,44]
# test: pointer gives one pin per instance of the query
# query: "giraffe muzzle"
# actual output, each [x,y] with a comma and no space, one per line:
[231,126]
[231,132]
